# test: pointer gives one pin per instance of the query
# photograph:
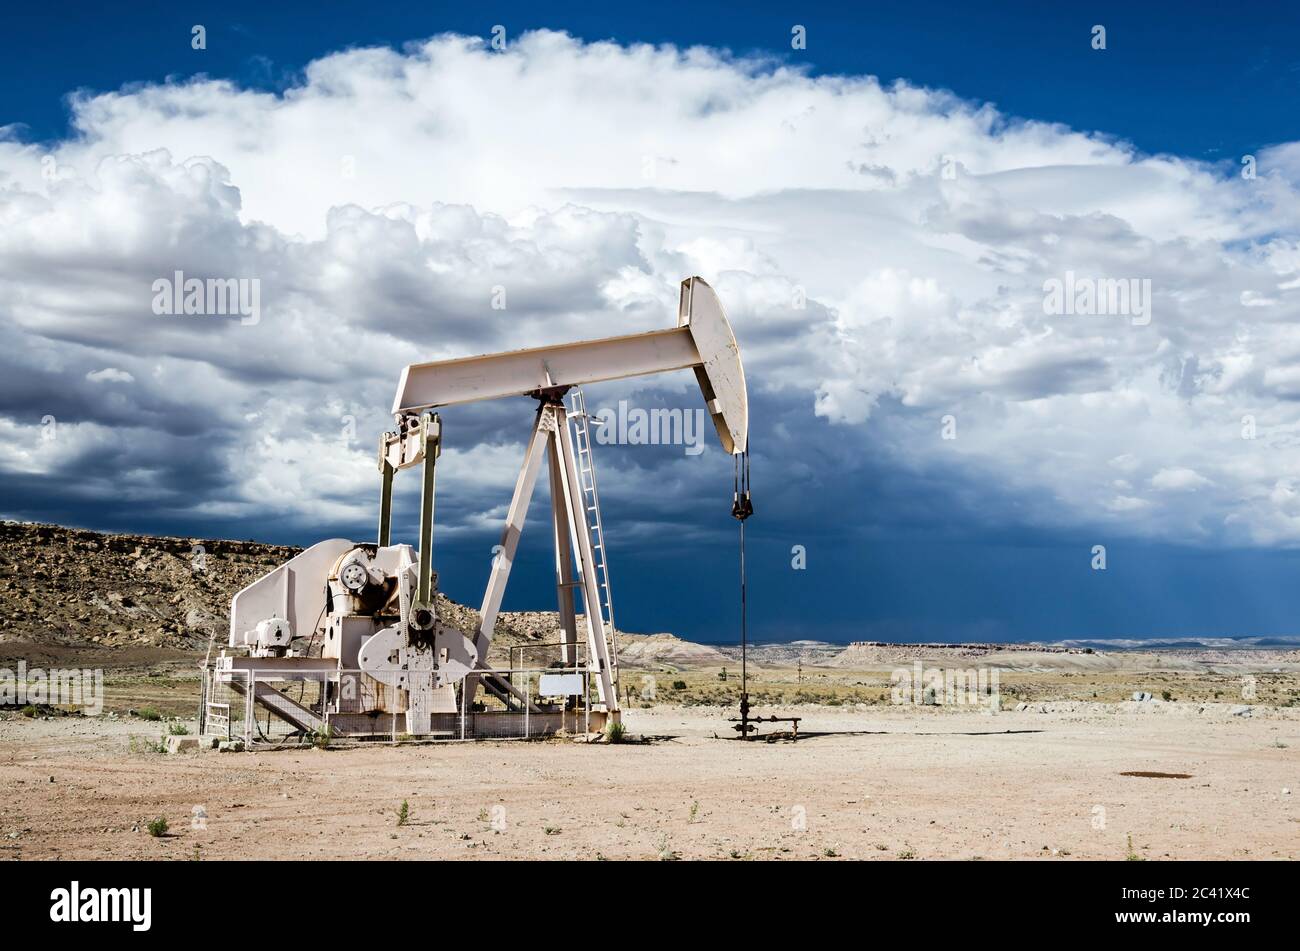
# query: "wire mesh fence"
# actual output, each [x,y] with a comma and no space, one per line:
[224,711]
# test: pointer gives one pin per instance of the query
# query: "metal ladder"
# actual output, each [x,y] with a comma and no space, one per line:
[591,502]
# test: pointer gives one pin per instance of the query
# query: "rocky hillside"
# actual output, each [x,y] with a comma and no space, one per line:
[667,651]
[65,589]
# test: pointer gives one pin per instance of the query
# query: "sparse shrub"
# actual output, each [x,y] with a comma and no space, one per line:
[666,854]
[403,813]
[158,827]
[616,732]
[149,713]
[1132,856]
[321,740]
[552,830]
[29,711]
[176,728]
[679,685]
[1166,696]
[139,745]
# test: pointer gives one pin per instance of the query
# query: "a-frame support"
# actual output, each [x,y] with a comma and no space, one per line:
[551,436]
[564,580]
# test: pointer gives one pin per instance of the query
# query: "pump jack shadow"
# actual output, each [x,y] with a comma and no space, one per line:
[785,736]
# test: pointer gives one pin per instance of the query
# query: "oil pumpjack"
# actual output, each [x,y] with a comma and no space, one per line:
[386,658]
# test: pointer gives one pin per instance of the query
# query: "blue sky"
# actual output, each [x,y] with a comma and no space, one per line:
[922,295]
[1201,79]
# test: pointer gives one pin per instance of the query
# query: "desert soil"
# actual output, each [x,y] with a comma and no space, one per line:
[876,783]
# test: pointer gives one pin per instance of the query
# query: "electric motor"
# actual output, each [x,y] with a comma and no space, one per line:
[272,637]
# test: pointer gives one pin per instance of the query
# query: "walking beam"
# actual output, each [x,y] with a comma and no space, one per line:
[702,340]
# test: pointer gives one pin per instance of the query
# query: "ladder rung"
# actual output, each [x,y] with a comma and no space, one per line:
[581,421]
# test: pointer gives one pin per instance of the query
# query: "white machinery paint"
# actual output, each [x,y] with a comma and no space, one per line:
[702,341]
[372,607]
[279,594]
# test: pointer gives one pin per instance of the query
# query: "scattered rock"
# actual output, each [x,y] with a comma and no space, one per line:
[182,744]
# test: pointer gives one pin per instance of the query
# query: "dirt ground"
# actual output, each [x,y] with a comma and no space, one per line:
[871,777]
[874,783]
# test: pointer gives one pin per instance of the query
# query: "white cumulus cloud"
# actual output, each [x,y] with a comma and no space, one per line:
[882,251]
